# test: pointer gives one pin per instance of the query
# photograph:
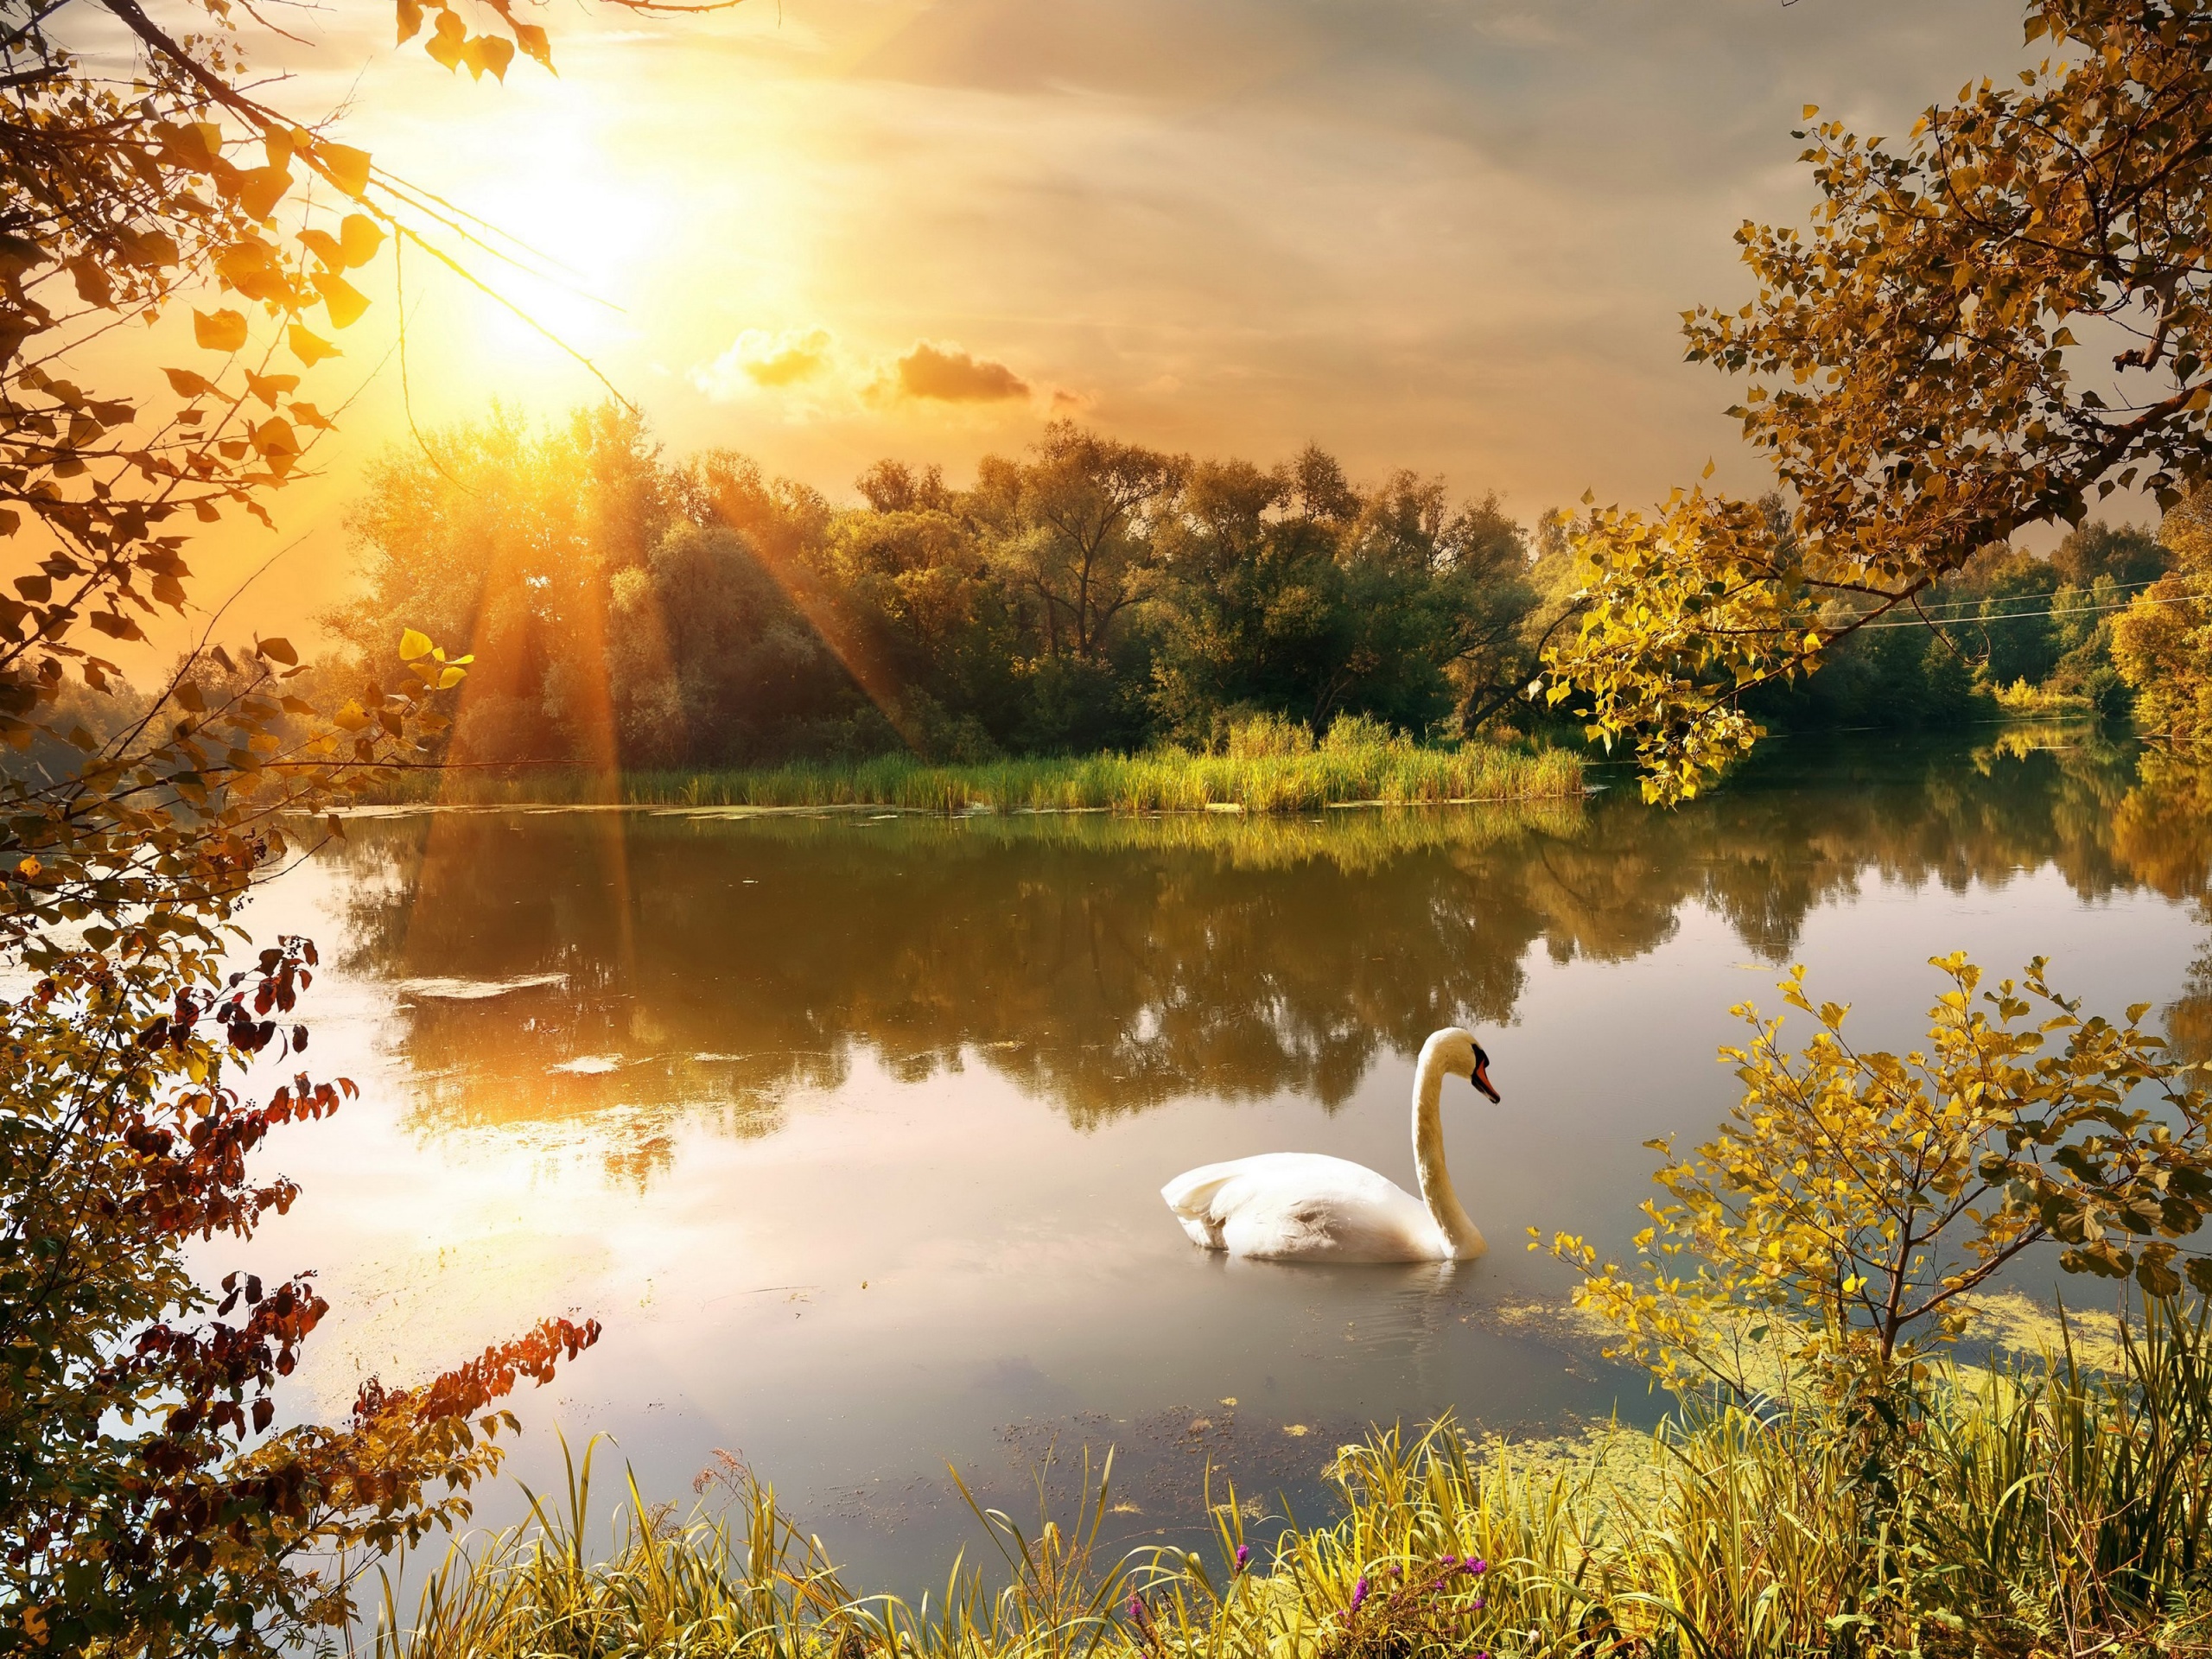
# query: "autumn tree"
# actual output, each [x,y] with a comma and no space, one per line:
[1989,327]
[2162,644]
[148,1500]
[1856,1199]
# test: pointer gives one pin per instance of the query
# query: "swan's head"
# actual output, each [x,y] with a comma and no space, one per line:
[1463,1057]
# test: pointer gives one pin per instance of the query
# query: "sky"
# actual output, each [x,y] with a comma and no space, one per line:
[1450,235]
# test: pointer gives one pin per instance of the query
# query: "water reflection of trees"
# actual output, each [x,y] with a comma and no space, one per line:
[1108,963]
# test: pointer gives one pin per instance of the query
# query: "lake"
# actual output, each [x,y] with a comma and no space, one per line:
[851,1127]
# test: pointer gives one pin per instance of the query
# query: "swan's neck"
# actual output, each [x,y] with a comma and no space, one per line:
[1460,1232]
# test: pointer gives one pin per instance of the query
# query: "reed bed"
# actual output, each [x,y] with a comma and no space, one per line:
[1394,773]
[2050,1511]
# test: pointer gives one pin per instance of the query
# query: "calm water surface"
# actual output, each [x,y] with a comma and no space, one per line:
[850,1127]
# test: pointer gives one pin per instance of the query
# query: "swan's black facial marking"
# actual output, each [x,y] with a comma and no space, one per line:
[1482,1073]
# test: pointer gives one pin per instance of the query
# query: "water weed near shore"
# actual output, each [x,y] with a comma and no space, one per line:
[2047,1509]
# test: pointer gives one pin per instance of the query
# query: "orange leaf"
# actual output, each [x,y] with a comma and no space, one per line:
[224,331]
[267,386]
[274,437]
[93,285]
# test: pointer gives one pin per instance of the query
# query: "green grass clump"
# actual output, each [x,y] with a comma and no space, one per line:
[1370,766]
[2049,1510]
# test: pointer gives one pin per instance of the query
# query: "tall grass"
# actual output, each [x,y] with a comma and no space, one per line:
[2042,1510]
[1366,765]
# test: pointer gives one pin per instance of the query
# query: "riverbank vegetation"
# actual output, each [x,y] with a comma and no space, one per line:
[1266,766]
[2048,1506]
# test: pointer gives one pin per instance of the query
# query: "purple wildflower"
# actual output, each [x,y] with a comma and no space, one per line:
[1138,1611]
[1243,1556]
[1358,1593]
[1447,1561]
[1475,1565]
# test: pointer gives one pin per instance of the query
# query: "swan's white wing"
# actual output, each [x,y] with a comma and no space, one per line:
[1288,1206]
[1191,1196]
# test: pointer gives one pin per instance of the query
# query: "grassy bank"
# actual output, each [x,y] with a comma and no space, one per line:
[1168,781]
[2045,1511]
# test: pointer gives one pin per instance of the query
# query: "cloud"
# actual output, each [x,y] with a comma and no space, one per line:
[772,361]
[954,377]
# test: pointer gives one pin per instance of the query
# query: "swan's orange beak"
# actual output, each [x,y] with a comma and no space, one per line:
[1482,1079]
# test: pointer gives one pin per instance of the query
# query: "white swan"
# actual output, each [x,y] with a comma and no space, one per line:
[1303,1206]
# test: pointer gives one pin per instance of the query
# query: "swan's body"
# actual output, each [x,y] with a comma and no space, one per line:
[1304,1206]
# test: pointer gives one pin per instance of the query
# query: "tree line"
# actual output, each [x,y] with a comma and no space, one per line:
[633,610]
[1089,595]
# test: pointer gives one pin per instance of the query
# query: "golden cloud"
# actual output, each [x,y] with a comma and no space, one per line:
[955,377]
[771,361]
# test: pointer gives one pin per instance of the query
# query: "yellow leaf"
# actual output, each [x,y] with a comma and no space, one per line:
[186,384]
[260,190]
[309,348]
[359,238]
[224,331]
[451,677]
[446,40]
[345,166]
[413,643]
[325,247]
[347,302]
